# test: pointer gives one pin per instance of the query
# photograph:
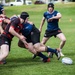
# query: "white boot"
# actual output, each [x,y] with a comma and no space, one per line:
[61,52]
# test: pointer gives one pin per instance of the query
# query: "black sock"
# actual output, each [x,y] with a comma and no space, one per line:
[42,55]
[51,50]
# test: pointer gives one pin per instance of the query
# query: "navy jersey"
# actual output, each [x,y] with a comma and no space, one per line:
[53,25]
[1,9]
[31,33]
[27,28]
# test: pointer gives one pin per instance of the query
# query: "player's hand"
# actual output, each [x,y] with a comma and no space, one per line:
[3,15]
[50,19]
[24,41]
[40,30]
[22,37]
[26,45]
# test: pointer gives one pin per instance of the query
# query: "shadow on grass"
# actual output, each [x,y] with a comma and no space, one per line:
[20,62]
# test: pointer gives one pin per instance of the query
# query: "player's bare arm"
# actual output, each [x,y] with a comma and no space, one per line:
[42,23]
[21,37]
[7,21]
[58,16]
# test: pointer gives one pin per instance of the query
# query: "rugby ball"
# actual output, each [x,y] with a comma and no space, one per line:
[67,60]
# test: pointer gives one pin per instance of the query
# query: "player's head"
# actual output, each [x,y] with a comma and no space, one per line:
[50,5]
[24,15]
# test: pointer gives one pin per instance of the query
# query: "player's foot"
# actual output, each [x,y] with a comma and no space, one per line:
[34,56]
[2,62]
[50,55]
[46,60]
[61,54]
[57,53]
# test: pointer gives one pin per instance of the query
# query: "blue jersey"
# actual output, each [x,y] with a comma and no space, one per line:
[27,28]
[1,9]
[53,25]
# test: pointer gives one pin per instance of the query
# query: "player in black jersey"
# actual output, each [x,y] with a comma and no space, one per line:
[12,29]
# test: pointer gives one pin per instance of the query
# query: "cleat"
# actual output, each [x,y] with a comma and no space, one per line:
[34,56]
[57,53]
[61,54]
[46,60]
[3,62]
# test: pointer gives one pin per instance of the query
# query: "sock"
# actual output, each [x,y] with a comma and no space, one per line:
[42,56]
[60,50]
[51,50]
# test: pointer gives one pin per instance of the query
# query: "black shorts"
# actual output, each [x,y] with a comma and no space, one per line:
[34,36]
[5,40]
[52,33]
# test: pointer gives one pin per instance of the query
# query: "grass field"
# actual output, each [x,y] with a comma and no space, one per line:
[19,60]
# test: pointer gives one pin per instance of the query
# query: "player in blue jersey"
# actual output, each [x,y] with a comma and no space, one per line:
[32,35]
[52,17]
[2,10]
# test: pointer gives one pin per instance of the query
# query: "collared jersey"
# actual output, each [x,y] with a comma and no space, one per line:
[53,25]
[17,26]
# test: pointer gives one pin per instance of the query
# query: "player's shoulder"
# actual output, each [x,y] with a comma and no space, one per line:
[46,12]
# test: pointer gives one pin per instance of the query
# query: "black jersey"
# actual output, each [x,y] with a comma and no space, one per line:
[17,26]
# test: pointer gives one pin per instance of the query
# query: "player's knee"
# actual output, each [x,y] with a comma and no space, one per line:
[5,54]
[36,47]
[64,40]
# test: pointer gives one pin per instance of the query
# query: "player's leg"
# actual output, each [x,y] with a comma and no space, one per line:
[62,37]
[42,48]
[30,46]
[4,52]
[34,51]
[44,41]
[46,37]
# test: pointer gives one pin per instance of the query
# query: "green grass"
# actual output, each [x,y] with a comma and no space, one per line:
[19,60]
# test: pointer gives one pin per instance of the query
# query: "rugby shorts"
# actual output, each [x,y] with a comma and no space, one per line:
[52,33]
